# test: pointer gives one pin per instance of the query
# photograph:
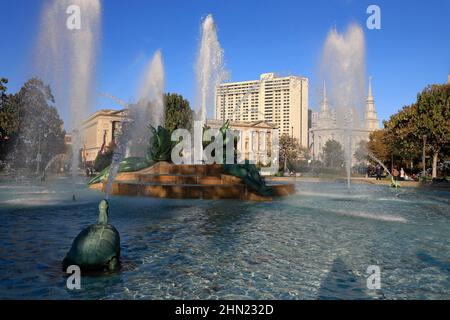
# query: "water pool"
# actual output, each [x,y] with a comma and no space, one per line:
[316,244]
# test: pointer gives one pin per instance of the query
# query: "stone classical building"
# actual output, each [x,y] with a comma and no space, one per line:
[255,138]
[102,127]
[324,126]
[98,131]
[282,101]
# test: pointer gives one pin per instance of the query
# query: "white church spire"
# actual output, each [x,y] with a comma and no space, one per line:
[370,118]
[324,104]
[369,95]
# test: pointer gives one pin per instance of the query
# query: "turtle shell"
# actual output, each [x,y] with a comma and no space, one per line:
[94,247]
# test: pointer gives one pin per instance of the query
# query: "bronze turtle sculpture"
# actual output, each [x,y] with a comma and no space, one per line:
[96,248]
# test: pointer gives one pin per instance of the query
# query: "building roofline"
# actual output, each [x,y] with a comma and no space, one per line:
[103,112]
[243,123]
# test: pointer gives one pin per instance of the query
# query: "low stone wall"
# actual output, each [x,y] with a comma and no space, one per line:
[164,180]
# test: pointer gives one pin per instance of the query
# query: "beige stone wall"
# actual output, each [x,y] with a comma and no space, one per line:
[93,130]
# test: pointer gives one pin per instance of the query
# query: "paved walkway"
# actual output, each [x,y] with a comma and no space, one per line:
[387,182]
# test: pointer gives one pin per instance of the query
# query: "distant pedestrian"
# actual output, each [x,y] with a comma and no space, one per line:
[402,174]
[378,172]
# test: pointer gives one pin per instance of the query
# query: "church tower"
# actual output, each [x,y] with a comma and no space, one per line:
[324,103]
[370,115]
[326,116]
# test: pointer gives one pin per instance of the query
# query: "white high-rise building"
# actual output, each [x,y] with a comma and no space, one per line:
[282,101]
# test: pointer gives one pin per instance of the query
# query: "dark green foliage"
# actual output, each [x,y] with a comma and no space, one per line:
[33,124]
[178,114]
[9,119]
[290,151]
[429,116]
[333,154]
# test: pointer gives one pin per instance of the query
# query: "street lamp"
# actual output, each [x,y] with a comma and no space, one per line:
[423,154]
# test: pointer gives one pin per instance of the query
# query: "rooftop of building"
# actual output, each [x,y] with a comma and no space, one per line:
[253,124]
[264,77]
[105,112]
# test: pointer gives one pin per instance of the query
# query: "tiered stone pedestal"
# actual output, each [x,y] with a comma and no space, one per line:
[164,180]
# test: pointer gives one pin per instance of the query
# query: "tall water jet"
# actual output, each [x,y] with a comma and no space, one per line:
[152,88]
[210,72]
[149,110]
[66,55]
[343,68]
[150,106]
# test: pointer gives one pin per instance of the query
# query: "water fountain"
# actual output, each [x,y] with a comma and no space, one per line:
[210,72]
[150,106]
[343,67]
[58,157]
[66,58]
[152,89]
[394,184]
[148,110]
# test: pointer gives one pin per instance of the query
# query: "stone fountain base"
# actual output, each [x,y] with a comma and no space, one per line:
[165,180]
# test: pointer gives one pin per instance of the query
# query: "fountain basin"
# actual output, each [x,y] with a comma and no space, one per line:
[165,180]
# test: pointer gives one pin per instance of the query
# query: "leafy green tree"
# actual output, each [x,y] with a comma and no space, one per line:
[399,134]
[40,135]
[361,152]
[380,145]
[431,117]
[178,114]
[9,120]
[333,154]
[289,150]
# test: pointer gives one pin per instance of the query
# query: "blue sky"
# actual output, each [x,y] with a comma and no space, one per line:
[410,51]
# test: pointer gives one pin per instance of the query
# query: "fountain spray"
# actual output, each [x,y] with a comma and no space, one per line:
[343,68]
[65,58]
[148,110]
[210,72]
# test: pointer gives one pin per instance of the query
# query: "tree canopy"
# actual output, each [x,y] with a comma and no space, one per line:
[333,154]
[289,150]
[178,114]
[429,116]
[39,133]
[9,120]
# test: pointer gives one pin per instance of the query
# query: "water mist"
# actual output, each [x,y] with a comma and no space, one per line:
[66,59]
[210,72]
[343,69]
[149,110]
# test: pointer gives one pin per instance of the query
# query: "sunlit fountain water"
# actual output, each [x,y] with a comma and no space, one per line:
[343,68]
[316,244]
[66,58]
[149,110]
[295,248]
[210,72]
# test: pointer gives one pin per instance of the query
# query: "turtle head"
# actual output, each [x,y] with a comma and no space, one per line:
[103,209]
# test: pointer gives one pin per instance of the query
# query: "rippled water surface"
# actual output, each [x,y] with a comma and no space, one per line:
[315,244]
